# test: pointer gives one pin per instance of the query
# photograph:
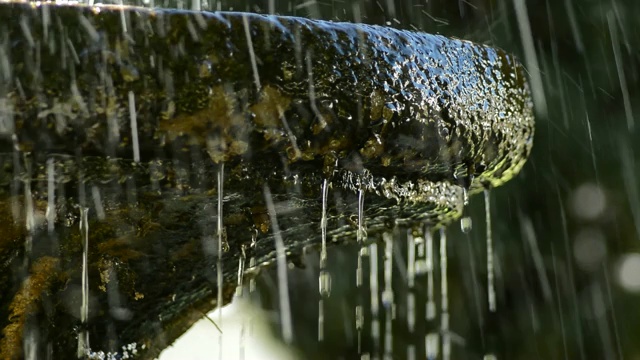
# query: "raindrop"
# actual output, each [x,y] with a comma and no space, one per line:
[51,196]
[361,231]
[588,201]
[252,54]
[241,260]
[432,346]
[431,303]
[465,221]
[590,248]
[444,293]
[491,291]
[134,127]
[219,269]
[628,274]
[373,286]
[387,294]
[281,267]
[411,266]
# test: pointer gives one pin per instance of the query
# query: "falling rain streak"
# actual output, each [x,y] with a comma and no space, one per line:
[83,336]
[444,297]
[220,239]
[324,280]
[281,264]
[491,291]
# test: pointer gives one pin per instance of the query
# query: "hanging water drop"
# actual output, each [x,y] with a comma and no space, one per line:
[432,346]
[465,221]
[361,234]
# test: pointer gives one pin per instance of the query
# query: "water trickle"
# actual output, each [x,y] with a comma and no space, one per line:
[325,285]
[241,260]
[134,127]
[361,231]
[220,247]
[491,291]
[411,271]
[430,312]
[83,337]
[444,293]
[51,196]
[359,312]
[373,286]
[28,208]
[324,281]
[281,266]
[432,340]
[387,294]
[252,260]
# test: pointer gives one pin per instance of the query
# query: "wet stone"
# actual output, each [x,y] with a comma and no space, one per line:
[134,126]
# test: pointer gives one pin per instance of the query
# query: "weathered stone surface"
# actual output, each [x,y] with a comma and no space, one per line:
[131,113]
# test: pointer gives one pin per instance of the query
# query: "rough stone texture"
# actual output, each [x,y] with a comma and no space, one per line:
[409,118]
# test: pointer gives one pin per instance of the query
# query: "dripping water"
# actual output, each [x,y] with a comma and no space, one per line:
[134,127]
[281,267]
[51,196]
[238,295]
[431,303]
[324,278]
[387,294]
[411,297]
[411,300]
[252,260]
[465,221]
[241,260]
[31,336]
[491,291]
[373,285]
[359,312]
[444,293]
[360,216]
[432,340]
[219,262]
[83,337]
